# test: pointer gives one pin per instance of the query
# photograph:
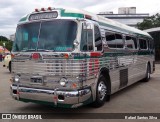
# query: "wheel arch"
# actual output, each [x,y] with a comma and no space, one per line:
[105,73]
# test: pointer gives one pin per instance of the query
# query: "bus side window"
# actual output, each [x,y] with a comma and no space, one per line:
[111,39]
[135,42]
[86,40]
[151,45]
[119,41]
[130,42]
[143,44]
[98,40]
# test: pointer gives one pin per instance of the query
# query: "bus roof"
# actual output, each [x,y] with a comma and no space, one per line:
[77,13]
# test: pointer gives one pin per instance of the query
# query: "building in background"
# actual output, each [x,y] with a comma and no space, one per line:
[127,10]
[12,37]
[155,33]
[126,15]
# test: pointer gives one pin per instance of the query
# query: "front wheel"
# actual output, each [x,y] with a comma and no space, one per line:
[101,92]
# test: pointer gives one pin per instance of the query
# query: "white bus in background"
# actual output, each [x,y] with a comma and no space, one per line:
[69,58]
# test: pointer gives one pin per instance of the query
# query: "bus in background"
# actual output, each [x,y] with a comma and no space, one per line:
[69,58]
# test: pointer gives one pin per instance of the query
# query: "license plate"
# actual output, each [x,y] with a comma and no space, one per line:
[36,80]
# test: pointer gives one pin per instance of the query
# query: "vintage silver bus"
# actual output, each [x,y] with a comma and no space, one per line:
[69,58]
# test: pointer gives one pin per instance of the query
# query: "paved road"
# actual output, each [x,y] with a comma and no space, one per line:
[138,98]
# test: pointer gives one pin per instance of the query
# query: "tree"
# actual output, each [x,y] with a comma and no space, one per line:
[151,22]
[8,43]
[3,38]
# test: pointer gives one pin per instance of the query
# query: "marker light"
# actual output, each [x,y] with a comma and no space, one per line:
[42,9]
[35,56]
[49,8]
[66,56]
[88,17]
[36,10]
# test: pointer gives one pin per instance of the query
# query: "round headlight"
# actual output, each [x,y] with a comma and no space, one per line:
[63,82]
[16,79]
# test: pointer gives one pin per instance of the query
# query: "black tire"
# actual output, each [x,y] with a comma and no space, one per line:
[101,94]
[9,66]
[148,72]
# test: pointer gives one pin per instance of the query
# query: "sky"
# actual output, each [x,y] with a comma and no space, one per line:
[12,10]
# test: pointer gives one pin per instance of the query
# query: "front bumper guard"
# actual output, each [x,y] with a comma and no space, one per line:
[73,99]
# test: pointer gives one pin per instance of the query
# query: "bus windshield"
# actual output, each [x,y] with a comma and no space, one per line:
[57,35]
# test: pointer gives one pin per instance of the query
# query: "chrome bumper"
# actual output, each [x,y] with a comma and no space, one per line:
[56,97]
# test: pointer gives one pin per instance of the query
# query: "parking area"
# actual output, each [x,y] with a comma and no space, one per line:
[138,98]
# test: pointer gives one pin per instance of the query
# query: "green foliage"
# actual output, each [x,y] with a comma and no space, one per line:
[3,38]
[8,43]
[151,22]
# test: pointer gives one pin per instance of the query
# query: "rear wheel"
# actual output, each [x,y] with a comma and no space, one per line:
[101,92]
[148,73]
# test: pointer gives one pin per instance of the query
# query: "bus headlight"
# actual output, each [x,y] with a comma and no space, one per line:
[16,78]
[63,82]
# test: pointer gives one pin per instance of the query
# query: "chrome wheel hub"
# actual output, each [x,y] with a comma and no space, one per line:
[102,90]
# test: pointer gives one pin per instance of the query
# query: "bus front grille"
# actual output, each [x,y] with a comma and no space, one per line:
[56,67]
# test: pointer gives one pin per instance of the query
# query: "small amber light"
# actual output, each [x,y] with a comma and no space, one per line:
[74,85]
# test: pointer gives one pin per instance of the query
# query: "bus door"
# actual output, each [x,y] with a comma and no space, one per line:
[86,37]
[86,46]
